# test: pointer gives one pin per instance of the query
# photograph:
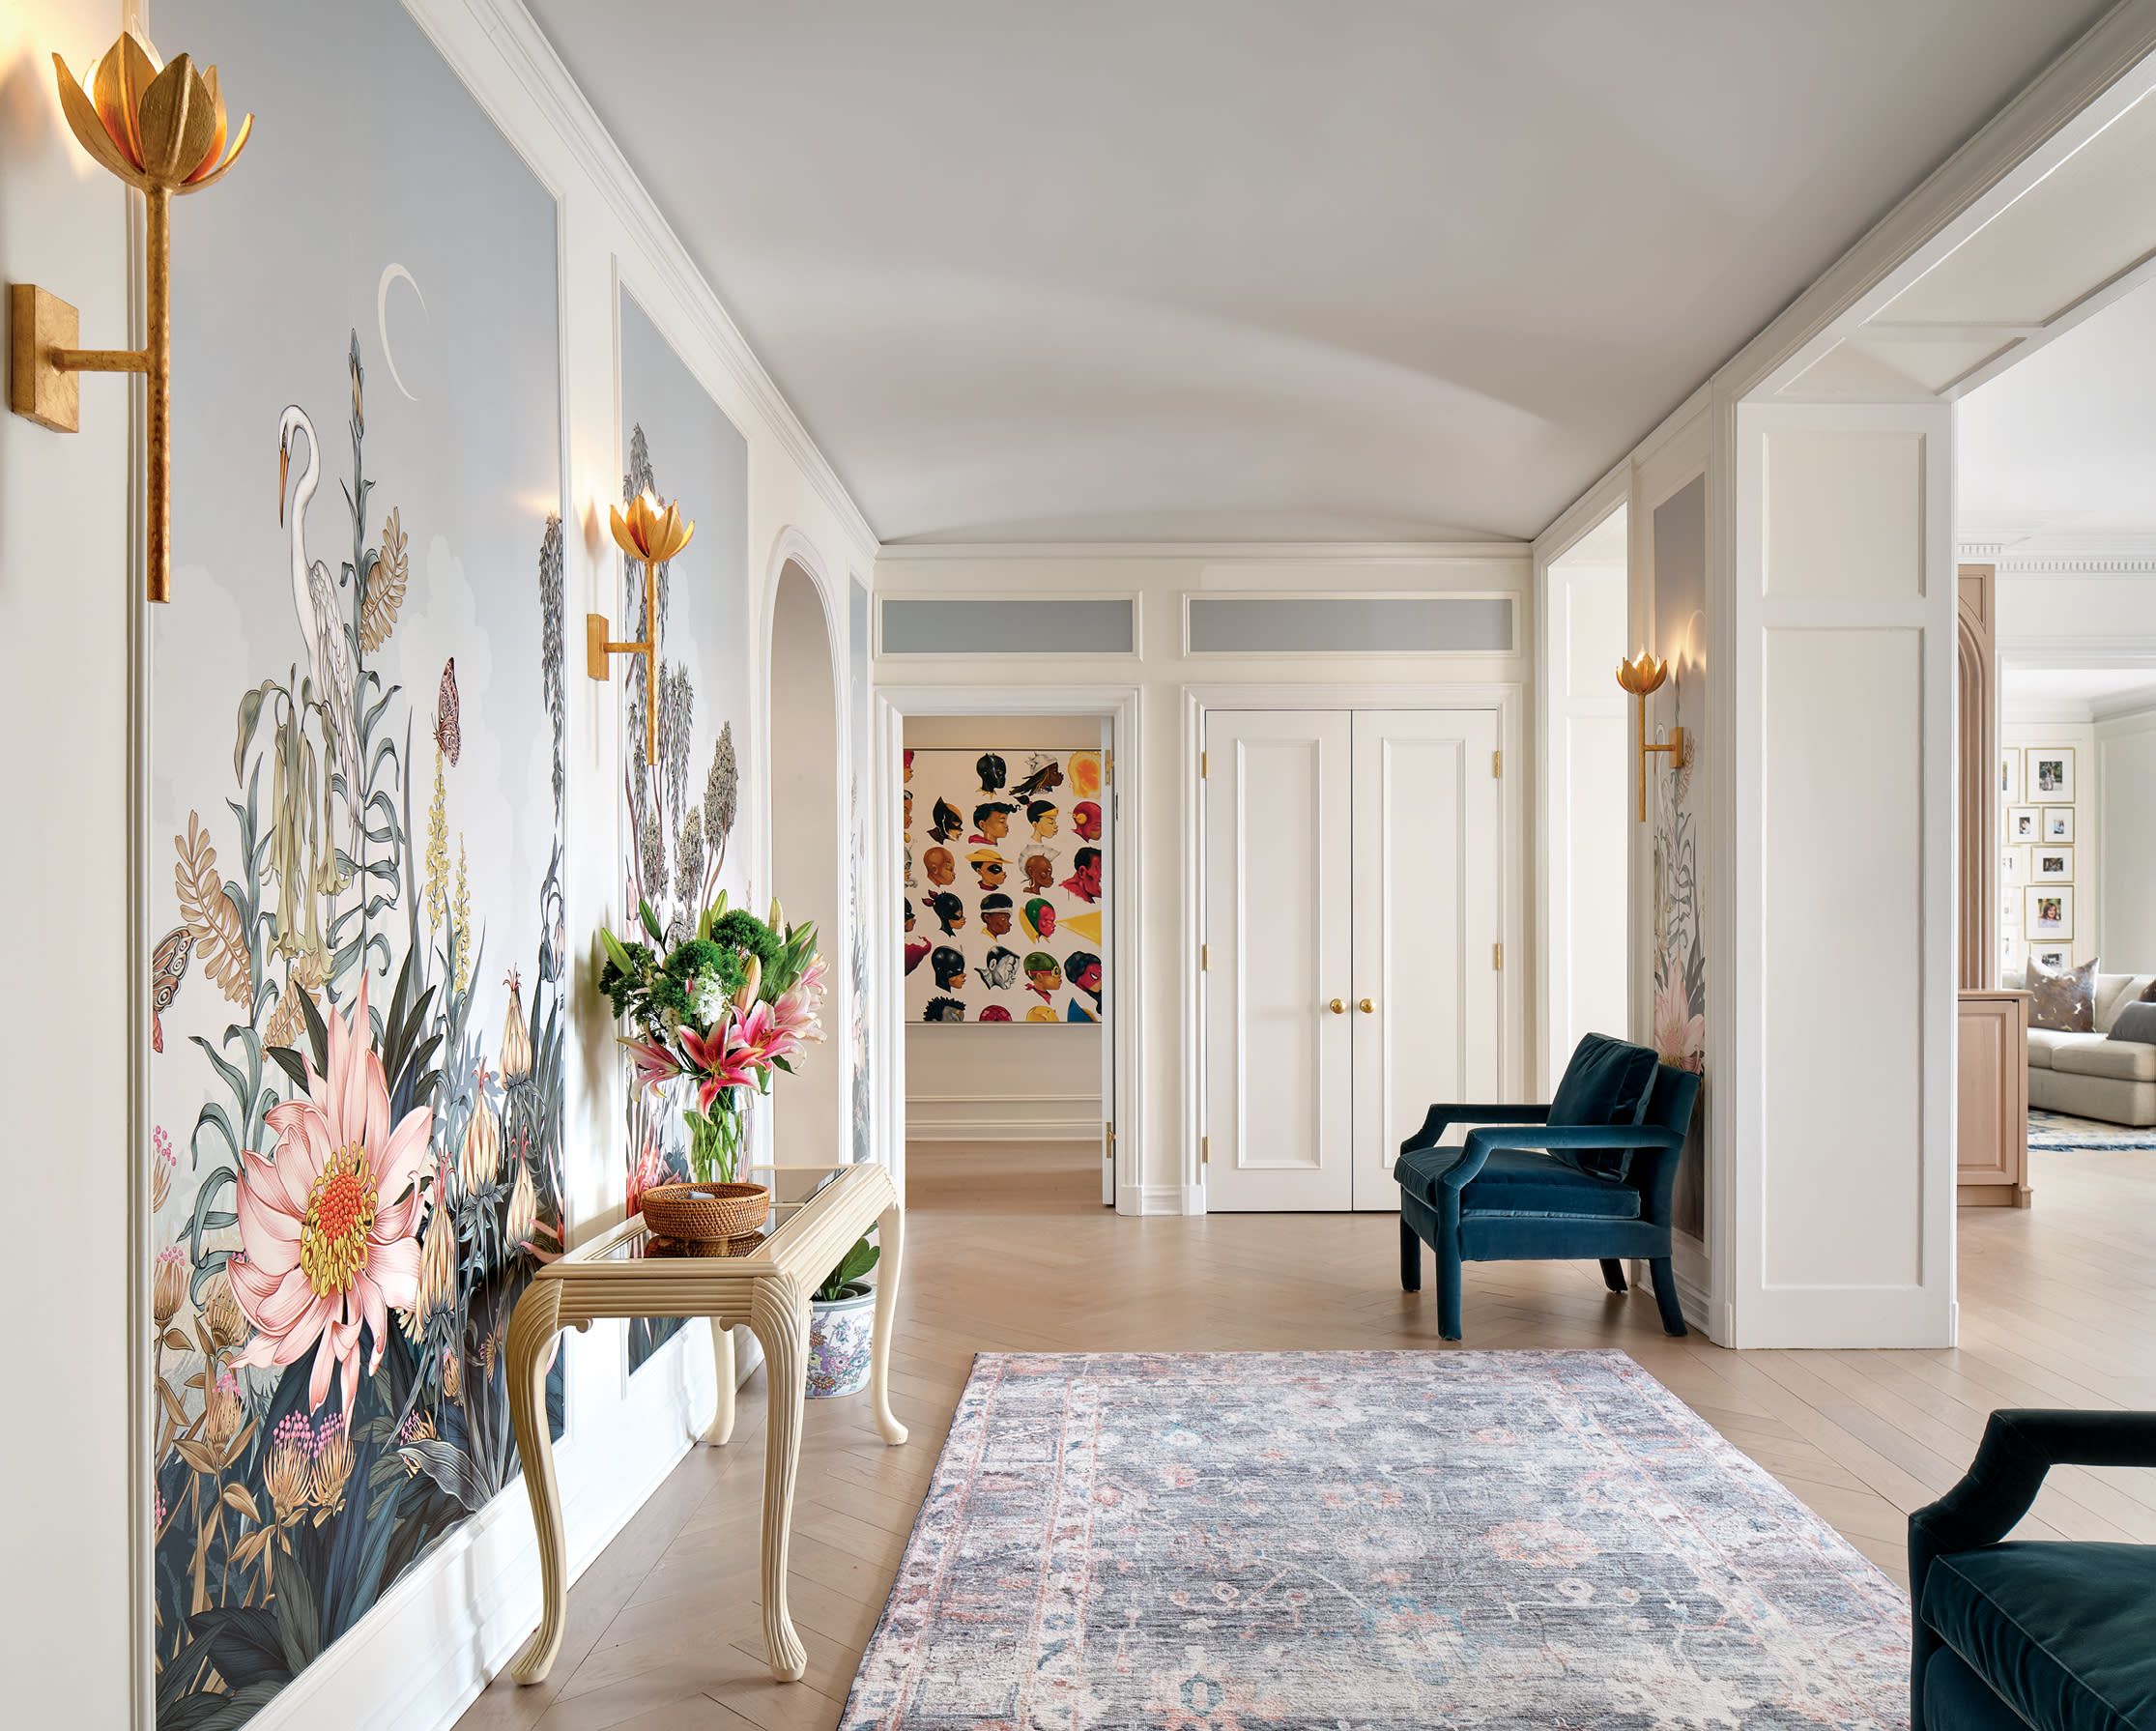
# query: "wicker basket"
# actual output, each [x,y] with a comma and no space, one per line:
[699,1213]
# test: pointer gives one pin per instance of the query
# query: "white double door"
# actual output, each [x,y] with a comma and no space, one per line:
[1351,922]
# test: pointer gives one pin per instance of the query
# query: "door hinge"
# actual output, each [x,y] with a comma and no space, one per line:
[1108,1152]
[1497,765]
[1204,958]
[1204,764]
[1205,1150]
[1497,956]
[1107,767]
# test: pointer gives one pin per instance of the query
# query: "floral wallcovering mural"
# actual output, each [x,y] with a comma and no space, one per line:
[1680,1025]
[359,760]
[680,839]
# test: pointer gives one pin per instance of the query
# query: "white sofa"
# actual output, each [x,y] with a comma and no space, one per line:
[2089,1075]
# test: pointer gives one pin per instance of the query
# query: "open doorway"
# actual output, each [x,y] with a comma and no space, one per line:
[1008,898]
[811,1128]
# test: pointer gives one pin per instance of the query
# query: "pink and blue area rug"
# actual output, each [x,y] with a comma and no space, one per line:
[1502,1539]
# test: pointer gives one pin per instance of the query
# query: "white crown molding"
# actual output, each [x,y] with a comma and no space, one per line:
[2046,711]
[531,58]
[2120,558]
[2077,652]
[1364,552]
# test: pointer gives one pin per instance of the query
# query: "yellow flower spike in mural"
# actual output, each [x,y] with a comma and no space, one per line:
[437,849]
[461,926]
[155,127]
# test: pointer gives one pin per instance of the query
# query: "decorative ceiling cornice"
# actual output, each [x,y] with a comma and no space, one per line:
[2032,557]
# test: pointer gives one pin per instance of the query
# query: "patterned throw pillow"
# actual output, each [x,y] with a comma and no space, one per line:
[2062,1000]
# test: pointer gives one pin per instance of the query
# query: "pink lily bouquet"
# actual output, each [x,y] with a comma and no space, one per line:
[723,1007]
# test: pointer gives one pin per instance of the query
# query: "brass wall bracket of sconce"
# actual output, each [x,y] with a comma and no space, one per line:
[652,536]
[1639,676]
[161,129]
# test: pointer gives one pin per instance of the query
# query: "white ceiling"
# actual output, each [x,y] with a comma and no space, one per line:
[2050,692]
[2058,454]
[1241,269]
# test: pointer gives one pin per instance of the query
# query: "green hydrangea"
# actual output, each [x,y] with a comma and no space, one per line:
[745,932]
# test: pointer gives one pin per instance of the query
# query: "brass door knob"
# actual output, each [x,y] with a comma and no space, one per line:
[1367,1006]
[1337,1008]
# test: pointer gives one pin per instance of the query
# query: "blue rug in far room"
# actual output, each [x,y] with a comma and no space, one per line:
[2056,1130]
[1237,1541]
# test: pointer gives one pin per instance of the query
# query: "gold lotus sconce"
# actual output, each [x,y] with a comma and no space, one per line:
[161,129]
[1641,676]
[653,535]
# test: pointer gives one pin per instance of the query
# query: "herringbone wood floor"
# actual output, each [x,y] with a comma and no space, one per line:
[1010,1248]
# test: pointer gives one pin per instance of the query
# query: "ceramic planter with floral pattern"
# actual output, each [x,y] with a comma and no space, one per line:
[841,1332]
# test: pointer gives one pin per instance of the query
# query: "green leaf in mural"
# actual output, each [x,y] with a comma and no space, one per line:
[251,712]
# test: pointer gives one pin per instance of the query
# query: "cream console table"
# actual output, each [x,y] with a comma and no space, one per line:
[764,1281]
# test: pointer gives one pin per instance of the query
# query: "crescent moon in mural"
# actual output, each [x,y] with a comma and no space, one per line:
[389,275]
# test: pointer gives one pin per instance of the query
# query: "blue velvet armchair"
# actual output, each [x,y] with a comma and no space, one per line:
[2053,1636]
[1587,1176]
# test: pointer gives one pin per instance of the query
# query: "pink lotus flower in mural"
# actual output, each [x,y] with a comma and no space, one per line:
[1680,1036]
[327,1227]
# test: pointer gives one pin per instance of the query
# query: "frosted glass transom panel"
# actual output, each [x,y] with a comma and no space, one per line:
[1008,625]
[1350,625]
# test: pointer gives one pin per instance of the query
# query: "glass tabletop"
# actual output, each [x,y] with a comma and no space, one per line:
[647,1245]
[637,1243]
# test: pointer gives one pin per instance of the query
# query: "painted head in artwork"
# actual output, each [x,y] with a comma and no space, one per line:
[993,1013]
[949,911]
[991,820]
[1041,813]
[1082,968]
[946,824]
[943,1009]
[1039,866]
[949,967]
[910,914]
[1000,972]
[987,866]
[1085,818]
[915,949]
[908,801]
[1084,880]
[909,763]
[1038,920]
[995,914]
[1046,775]
[990,768]
[1042,973]
[941,864]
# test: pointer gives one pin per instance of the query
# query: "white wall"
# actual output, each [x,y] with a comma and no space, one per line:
[1013,1080]
[72,1503]
[2090,937]
[1589,806]
[2124,849]
[1162,1175]
[67,1608]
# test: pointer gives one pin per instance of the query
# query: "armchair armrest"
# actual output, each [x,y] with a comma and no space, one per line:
[2020,1445]
[1442,1118]
[1483,1142]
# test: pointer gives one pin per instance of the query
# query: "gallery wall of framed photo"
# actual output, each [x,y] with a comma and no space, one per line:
[2048,852]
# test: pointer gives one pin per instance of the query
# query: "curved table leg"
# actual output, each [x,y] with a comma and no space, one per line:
[721,1428]
[891,1241]
[533,1328]
[778,1317]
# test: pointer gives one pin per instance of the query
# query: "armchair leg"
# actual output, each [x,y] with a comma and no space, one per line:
[1665,1296]
[1448,1294]
[1613,1275]
[1411,1258]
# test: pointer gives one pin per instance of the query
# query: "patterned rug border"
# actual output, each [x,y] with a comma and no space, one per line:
[984,1375]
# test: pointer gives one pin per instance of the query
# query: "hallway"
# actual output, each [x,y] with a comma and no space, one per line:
[1010,1250]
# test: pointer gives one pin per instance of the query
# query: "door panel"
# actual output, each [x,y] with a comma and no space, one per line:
[1278,930]
[1427,927]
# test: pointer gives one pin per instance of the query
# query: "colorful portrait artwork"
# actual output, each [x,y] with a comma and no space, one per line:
[679,814]
[356,1091]
[1004,884]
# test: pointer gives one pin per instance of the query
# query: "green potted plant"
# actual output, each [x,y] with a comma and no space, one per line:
[718,1010]
[842,1326]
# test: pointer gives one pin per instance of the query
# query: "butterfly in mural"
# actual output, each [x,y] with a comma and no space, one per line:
[169,967]
[447,734]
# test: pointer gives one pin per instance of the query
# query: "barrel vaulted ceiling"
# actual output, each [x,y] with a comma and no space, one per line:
[1245,269]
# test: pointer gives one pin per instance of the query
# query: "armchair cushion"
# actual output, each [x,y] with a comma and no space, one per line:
[1608,1082]
[2061,1632]
[1516,1181]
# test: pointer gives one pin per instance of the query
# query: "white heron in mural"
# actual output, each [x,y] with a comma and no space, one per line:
[314,597]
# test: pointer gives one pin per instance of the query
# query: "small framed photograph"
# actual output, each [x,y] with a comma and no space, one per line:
[2058,823]
[2023,824]
[2050,912]
[2010,775]
[2058,961]
[2047,773]
[2010,865]
[2010,909]
[2049,864]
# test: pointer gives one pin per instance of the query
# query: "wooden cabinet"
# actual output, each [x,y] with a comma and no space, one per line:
[1992,1090]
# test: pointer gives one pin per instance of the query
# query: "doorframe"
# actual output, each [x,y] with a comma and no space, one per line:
[1122,706]
[1507,699]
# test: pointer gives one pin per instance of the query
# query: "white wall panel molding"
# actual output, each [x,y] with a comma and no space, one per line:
[901,553]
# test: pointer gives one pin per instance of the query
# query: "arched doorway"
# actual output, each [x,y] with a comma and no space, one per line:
[803,731]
